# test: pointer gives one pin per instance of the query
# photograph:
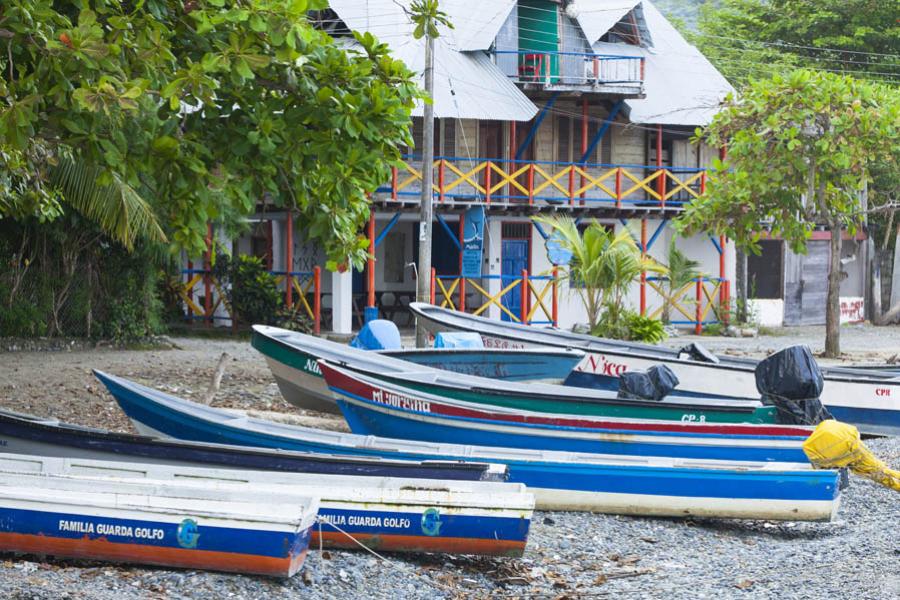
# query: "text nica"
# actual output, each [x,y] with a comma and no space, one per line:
[400,401]
[367,521]
[113,530]
[312,366]
[597,363]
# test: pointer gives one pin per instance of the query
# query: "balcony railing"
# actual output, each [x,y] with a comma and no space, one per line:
[570,68]
[505,182]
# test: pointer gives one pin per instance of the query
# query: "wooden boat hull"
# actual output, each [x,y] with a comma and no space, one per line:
[372,407]
[301,384]
[388,514]
[296,355]
[865,399]
[559,480]
[156,530]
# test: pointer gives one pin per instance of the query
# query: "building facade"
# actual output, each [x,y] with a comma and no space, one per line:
[584,108]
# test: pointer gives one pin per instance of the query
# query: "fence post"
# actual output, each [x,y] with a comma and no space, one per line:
[698,326]
[618,187]
[190,273]
[289,258]
[207,283]
[531,184]
[441,181]
[433,277]
[524,299]
[393,183]
[643,272]
[317,299]
[555,311]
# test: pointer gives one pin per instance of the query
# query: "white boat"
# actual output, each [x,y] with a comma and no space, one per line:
[385,513]
[164,524]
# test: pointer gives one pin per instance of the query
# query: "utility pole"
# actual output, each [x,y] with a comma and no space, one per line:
[423,283]
[426,15]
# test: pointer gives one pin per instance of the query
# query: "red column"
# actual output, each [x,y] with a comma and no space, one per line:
[370,263]
[487,182]
[584,134]
[698,327]
[462,279]
[661,179]
[317,299]
[723,289]
[393,183]
[441,181]
[289,258]
[531,184]
[190,273]
[207,283]
[555,291]
[512,156]
[643,273]
[618,187]
[433,277]
[524,299]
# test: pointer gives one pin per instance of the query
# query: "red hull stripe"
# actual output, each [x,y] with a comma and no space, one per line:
[365,390]
[102,549]
[415,543]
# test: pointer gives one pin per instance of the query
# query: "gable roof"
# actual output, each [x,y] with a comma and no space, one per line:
[596,17]
[467,84]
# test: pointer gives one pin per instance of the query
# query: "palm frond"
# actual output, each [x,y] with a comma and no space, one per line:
[116,208]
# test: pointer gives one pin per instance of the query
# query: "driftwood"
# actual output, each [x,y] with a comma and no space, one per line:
[217,379]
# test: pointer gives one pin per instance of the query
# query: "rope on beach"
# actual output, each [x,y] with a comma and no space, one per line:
[363,546]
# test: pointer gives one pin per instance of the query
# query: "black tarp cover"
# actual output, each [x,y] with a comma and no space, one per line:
[654,384]
[792,381]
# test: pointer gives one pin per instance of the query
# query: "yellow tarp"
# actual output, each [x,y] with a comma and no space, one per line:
[834,444]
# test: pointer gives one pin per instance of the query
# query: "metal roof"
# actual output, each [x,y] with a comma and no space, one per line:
[596,17]
[467,85]
[682,87]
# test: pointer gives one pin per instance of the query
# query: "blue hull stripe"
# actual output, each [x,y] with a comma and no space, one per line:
[276,544]
[686,482]
[455,430]
[409,524]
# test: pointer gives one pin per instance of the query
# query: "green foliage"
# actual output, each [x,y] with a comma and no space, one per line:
[748,39]
[681,271]
[201,109]
[133,309]
[427,16]
[252,292]
[604,264]
[630,326]
[804,135]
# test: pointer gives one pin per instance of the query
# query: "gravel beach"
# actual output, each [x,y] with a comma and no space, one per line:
[569,555]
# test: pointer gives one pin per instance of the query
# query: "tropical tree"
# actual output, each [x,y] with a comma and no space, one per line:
[681,272]
[198,111]
[800,147]
[603,266]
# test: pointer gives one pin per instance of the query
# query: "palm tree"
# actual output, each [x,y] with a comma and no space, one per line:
[682,270]
[115,207]
[603,265]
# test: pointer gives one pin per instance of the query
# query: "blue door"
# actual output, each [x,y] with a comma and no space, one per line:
[514,258]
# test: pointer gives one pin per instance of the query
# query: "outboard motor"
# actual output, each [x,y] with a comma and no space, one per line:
[791,381]
[654,384]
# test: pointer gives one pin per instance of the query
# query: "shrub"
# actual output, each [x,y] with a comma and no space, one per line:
[252,292]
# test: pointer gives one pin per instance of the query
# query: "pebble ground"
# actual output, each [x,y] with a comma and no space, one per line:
[569,555]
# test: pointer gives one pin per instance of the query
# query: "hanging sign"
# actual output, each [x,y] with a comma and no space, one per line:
[473,242]
[558,254]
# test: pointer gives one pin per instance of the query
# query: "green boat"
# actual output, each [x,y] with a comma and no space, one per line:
[293,356]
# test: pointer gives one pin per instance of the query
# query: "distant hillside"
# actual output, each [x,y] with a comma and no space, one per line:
[683,10]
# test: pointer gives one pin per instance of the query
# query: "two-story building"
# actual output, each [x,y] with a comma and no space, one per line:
[581,107]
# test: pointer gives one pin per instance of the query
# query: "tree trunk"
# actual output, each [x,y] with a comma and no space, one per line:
[833,302]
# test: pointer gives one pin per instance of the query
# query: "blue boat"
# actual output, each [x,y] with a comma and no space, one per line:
[634,485]
[375,406]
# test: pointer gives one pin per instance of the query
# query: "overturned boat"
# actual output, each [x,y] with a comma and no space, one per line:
[635,485]
[390,514]
[863,398]
[294,356]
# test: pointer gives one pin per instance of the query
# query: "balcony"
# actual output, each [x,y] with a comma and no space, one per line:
[619,75]
[540,186]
